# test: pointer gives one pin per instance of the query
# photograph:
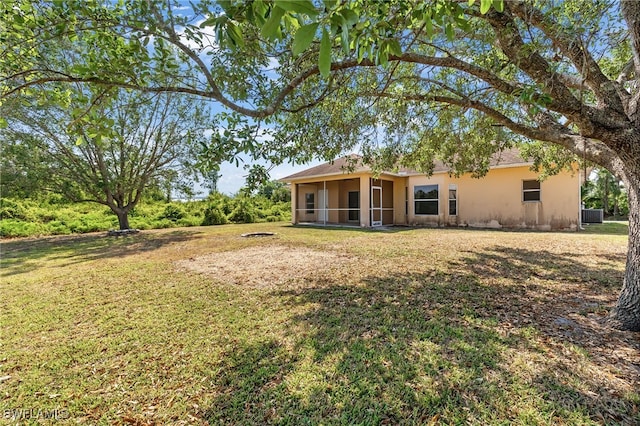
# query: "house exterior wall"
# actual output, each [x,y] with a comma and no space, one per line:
[496,201]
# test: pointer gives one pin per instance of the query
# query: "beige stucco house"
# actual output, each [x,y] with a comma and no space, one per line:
[508,196]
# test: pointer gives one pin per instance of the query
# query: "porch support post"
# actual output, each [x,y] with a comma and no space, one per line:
[294,203]
[365,201]
[325,202]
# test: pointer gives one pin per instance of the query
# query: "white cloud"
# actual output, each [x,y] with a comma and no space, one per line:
[206,44]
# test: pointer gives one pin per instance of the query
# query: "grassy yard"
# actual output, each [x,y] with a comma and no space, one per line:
[318,326]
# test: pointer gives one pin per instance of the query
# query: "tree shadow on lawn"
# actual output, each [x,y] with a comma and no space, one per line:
[449,347]
[23,255]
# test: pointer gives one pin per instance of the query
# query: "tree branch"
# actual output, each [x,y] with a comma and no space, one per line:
[604,89]
[538,69]
[549,130]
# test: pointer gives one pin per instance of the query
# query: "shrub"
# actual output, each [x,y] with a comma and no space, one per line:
[190,221]
[164,223]
[18,228]
[244,212]
[213,215]
[15,209]
[57,227]
[173,213]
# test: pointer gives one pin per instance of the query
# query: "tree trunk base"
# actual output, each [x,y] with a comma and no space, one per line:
[625,321]
[121,232]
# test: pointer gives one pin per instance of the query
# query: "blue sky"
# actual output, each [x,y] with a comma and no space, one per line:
[233,177]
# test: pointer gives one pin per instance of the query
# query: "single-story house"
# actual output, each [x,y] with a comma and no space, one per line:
[508,196]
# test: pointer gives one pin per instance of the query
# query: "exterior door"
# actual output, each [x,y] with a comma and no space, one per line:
[376,206]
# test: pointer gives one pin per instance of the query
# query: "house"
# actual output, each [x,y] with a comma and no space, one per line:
[508,196]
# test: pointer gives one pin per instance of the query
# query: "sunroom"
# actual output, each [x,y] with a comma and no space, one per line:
[354,201]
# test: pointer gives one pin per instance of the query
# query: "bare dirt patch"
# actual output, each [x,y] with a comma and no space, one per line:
[266,266]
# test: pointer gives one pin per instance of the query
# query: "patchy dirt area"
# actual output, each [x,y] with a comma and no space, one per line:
[265,266]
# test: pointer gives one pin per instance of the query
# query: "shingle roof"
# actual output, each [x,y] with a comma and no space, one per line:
[340,165]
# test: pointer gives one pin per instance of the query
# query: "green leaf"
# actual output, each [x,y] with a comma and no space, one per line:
[383,57]
[350,17]
[210,21]
[498,5]
[79,141]
[345,36]
[428,25]
[324,61]
[448,30]
[304,37]
[485,5]
[394,47]
[271,28]
[225,4]
[234,34]
[471,2]
[298,6]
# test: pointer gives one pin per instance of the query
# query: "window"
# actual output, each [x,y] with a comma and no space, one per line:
[530,190]
[310,202]
[426,199]
[453,200]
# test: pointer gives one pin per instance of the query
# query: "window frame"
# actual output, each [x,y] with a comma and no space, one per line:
[426,200]
[453,187]
[537,190]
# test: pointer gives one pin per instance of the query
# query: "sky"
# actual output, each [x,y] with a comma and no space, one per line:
[234,177]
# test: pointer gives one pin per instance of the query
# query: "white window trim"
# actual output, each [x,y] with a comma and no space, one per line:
[539,191]
[452,187]
[437,200]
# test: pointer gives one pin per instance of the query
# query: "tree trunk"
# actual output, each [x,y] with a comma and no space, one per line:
[626,314]
[123,218]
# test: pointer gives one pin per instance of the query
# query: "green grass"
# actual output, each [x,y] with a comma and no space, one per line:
[607,227]
[426,326]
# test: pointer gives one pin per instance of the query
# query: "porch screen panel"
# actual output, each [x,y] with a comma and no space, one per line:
[354,203]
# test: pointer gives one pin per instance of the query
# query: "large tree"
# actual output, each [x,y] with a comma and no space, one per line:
[457,80]
[108,154]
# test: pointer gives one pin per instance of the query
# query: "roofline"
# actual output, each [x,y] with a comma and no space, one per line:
[397,174]
[345,173]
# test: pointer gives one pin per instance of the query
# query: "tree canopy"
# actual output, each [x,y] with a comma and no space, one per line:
[403,81]
[143,139]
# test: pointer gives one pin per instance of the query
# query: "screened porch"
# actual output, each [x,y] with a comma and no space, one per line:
[345,202]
